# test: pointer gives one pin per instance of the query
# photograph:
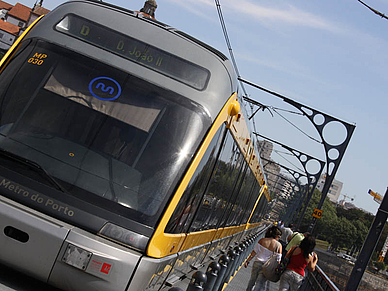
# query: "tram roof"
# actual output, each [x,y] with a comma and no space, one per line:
[219,88]
[166,26]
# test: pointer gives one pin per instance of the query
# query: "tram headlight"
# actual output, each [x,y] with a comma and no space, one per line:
[124,236]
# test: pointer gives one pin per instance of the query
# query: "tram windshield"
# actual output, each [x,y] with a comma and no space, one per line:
[105,136]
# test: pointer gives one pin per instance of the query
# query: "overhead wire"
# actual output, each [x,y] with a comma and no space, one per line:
[286,153]
[278,152]
[229,45]
[274,108]
[231,54]
[309,136]
[286,110]
[282,166]
[250,101]
[373,10]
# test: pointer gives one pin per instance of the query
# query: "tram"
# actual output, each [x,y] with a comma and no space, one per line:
[126,161]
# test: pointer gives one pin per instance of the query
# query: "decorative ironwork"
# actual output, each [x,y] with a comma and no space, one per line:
[302,190]
[312,179]
[322,122]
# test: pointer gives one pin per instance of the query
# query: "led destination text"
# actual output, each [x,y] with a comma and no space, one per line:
[36,197]
[135,50]
[125,46]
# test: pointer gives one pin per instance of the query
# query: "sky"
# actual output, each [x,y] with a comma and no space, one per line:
[328,55]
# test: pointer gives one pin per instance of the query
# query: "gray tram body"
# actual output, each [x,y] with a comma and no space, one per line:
[42,230]
[50,228]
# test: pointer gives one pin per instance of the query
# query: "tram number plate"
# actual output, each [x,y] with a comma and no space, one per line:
[317,213]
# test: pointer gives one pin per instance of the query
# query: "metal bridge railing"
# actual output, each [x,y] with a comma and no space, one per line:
[318,281]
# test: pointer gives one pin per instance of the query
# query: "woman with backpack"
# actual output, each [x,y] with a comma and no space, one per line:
[262,253]
[301,256]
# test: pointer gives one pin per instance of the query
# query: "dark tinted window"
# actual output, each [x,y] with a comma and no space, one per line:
[188,204]
[108,137]
[218,200]
[241,203]
[251,201]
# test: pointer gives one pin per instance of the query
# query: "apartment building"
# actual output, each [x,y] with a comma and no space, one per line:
[334,190]
[14,19]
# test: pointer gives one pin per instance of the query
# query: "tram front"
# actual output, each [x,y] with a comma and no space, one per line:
[97,126]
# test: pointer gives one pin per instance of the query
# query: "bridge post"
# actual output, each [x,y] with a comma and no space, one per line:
[232,259]
[198,280]
[212,275]
[369,245]
[223,261]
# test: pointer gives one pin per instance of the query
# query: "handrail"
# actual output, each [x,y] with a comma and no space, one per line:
[318,280]
[327,279]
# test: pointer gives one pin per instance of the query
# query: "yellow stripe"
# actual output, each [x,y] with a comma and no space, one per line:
[257,201]
[267,193]
[7,57]
[198,238]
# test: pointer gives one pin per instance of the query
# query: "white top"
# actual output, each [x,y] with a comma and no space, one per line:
[263,254]
[286,231]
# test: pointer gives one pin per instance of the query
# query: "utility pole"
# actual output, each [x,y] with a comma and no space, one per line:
[378,198]
[369,245]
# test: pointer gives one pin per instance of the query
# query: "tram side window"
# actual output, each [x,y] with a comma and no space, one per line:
[185,210]
[241,166]
[216,201]
[236,201]
[258,214]
[243,197]
[251,203]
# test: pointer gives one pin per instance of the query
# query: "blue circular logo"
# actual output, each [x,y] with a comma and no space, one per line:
[105,88]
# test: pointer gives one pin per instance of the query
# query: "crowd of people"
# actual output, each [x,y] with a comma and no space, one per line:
[282,241]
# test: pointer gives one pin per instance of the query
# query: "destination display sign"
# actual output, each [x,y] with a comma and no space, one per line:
[135,50]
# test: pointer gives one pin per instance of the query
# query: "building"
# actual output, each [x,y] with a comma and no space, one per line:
[4,8]
[8,34]
[15,19]
[288,188]
[271,169]
[265,149]
[347,205]
[334,190]
[36,12]
[18,15]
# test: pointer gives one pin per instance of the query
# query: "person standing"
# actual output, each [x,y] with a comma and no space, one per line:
[295,239]
[262,253]
[286,234]
[301,256]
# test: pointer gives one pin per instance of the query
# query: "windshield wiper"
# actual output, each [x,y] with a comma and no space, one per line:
[33,165]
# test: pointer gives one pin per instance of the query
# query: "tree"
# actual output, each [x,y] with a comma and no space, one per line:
[360,235]
[355,214]
[342,228]
[329,214]
[342,234]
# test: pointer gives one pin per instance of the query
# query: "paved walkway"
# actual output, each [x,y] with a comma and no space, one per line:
[240,281]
